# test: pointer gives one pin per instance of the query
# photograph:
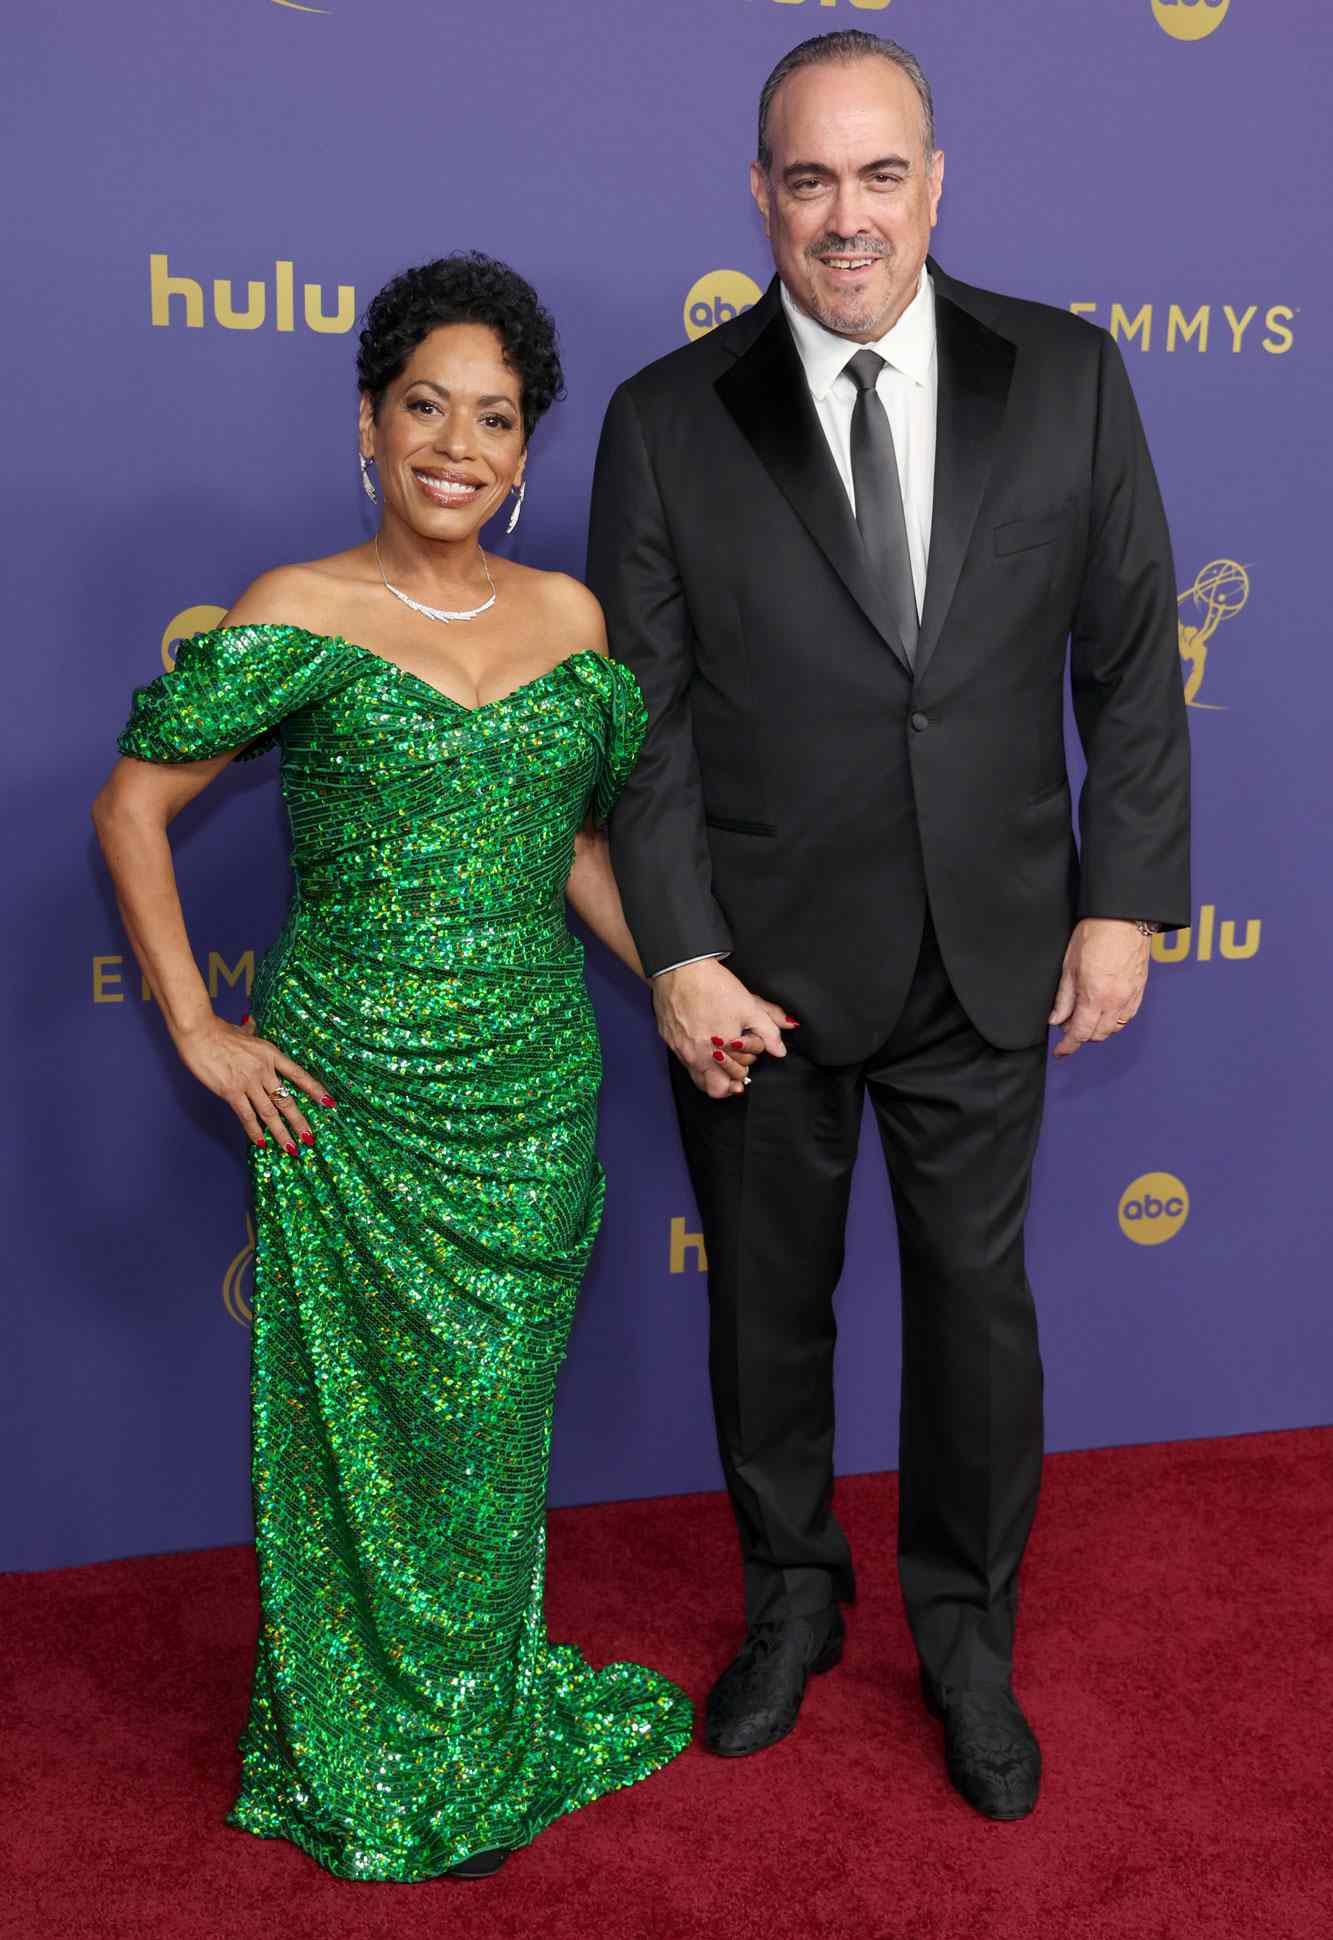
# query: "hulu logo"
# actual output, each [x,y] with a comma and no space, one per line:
[176,298]
[1199,939]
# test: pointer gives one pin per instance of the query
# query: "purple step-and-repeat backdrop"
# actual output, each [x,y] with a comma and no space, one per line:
[208,199]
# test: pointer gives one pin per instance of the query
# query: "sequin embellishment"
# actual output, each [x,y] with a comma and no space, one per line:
[416,1270]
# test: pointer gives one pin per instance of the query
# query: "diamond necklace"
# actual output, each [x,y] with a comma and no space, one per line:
[435,612]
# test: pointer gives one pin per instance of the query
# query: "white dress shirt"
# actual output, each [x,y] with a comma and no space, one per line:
[908,388]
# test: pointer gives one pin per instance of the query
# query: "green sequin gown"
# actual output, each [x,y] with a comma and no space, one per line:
[417,1269]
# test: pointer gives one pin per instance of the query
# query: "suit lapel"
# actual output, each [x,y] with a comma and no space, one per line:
[975,370]
[766,392]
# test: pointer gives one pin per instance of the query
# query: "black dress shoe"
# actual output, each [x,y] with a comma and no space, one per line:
[756,1700]
[481,1865]
[994,1759]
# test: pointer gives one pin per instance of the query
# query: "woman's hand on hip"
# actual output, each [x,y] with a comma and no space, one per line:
[259,1082]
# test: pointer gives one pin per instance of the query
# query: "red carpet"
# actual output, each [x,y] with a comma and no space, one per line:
[1175,1661]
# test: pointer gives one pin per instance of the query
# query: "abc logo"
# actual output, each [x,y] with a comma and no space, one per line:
[185,624]
[716,297]
[1190,19]
[1153,1208]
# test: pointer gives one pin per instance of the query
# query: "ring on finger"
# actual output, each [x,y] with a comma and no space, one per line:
[280,1091]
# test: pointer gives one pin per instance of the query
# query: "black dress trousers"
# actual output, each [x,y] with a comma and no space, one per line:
[959,1122]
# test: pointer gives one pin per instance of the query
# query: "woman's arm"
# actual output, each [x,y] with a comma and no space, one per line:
[595,896]
[132,813]
[592,890]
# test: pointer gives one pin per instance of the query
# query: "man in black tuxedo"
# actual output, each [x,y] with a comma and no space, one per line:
[847,542]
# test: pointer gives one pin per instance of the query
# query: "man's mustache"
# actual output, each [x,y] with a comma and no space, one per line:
[848,246]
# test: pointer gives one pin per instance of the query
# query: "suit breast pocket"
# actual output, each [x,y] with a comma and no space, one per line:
[737,825]
[1024,535]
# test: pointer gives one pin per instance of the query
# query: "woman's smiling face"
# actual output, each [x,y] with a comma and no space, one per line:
[448,440]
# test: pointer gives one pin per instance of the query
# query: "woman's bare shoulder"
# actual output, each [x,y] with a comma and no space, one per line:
[567,606]
[308,593]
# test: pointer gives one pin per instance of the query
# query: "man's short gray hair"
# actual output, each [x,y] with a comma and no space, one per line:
[852,44]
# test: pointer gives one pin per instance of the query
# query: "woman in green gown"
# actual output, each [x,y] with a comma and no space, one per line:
[419,1085]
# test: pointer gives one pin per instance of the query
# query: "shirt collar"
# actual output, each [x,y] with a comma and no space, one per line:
[909,346]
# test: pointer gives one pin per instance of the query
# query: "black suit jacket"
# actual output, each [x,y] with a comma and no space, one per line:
[802,791]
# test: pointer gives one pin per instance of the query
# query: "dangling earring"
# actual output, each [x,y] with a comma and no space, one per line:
[367,483]
[518,507]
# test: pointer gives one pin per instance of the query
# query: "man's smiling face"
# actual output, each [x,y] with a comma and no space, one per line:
[851,194]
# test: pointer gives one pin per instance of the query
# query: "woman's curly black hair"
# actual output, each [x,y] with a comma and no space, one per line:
[466,287]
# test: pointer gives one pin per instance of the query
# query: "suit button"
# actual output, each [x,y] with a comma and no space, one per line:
[920,722]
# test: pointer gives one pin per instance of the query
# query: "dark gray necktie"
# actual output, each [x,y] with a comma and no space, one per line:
[879,498]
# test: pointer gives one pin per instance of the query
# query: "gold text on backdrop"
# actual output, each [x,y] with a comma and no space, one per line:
[109,972]
[1217,326]
[166,290]
[1195,945]
[684,1242]
[1153,1208]
[717,296]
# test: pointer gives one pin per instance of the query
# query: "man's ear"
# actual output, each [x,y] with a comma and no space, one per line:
[936,184]
[761,190]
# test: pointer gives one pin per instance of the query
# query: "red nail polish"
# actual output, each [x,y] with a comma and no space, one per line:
[718,1042]
[719,1057]
[307,1138]
[737,1044]
[327,1103]
[792,1020]
[246,1018]
[292,1150]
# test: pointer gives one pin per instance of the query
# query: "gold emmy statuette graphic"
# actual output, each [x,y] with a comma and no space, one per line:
[190,620]
[1219,592]
[718,296]
[1190,19]
[233,1280]
[1153,1208]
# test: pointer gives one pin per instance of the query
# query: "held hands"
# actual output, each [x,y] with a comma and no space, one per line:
[715,1026]
[1102,983]
[257,1080]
